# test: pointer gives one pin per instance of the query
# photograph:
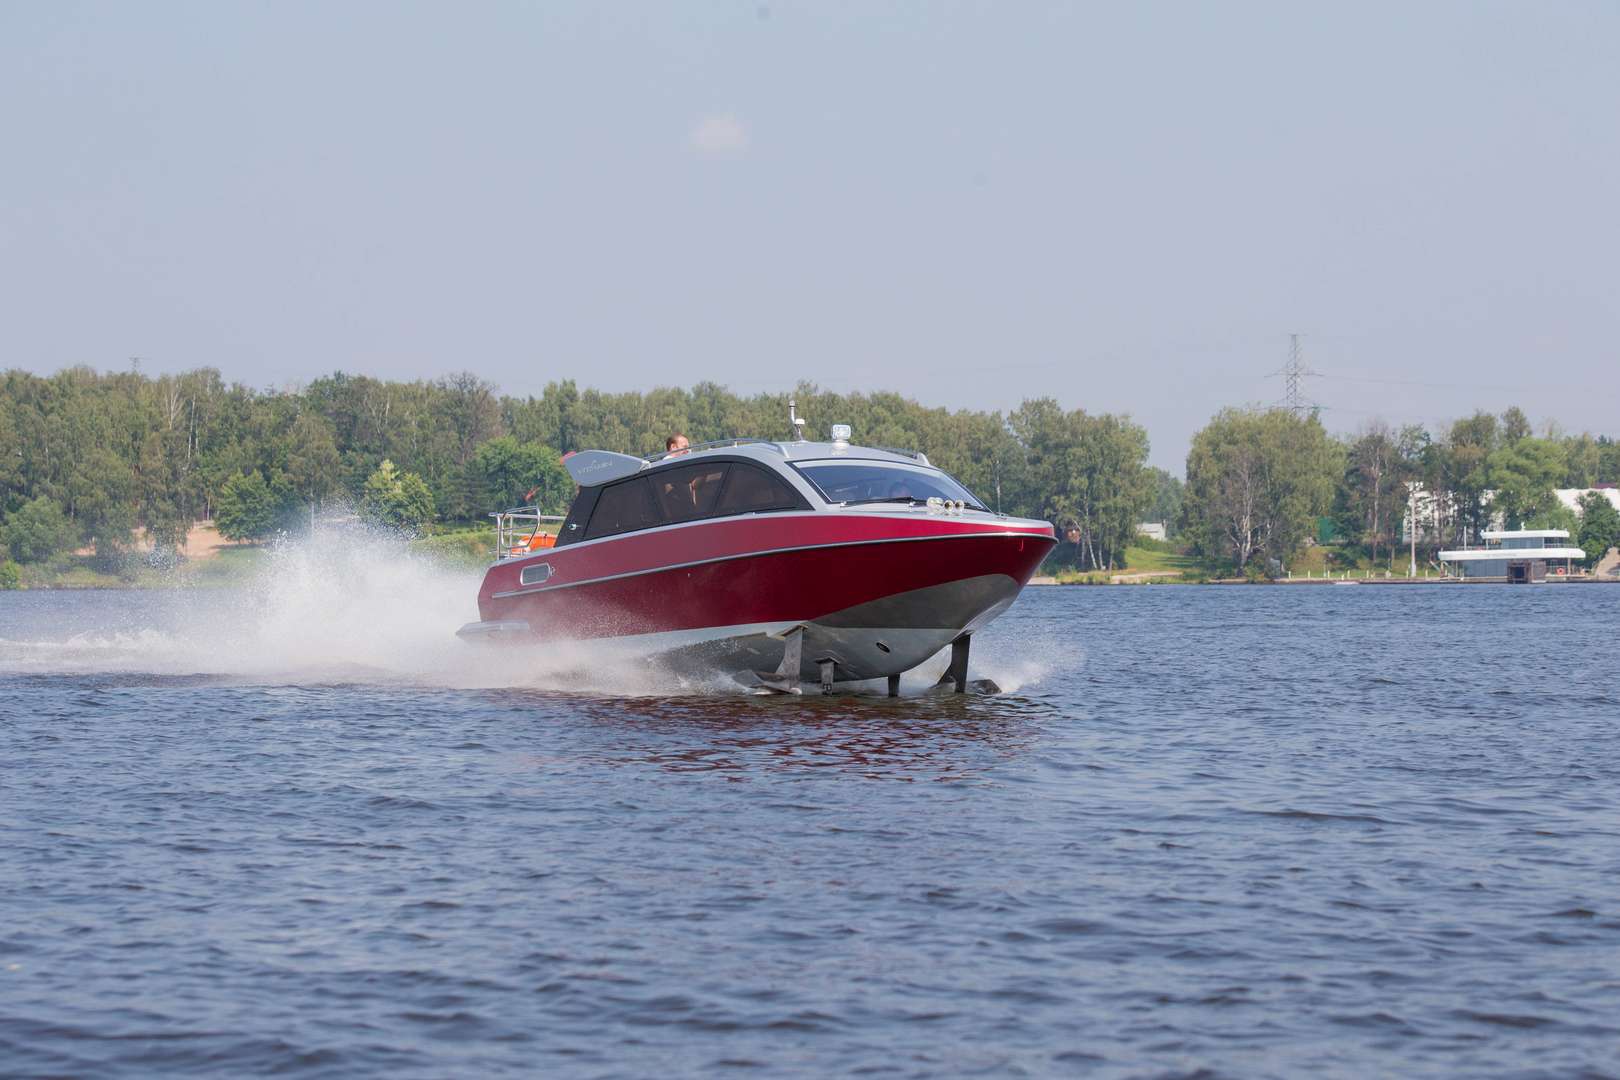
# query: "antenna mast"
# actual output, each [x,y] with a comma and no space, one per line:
[796,421]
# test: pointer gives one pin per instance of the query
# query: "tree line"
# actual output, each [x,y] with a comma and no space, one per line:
[92,459]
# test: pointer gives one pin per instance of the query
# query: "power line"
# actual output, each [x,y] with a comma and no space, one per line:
[1432,385]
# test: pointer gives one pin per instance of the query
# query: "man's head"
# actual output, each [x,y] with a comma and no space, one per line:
[675,443]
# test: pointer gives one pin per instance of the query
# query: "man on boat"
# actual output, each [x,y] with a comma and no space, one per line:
[676,444]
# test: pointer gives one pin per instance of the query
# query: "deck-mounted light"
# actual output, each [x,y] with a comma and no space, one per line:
[840,434]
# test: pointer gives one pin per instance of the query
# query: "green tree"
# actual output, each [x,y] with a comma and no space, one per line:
[1106,485]
[1166,503]
[10,575]
[1085,474]
[1582,453]
[11,454]
[397,499]
[1256,480]
[512,473]
[1608,466]
[1380,463]
[1041,428]
[1525,474]
[1554,516]
[465,412]
[1468,448]
[101,492]
[312,462]
[37,531]
[1515,425]
[246,509]
[162,509]
[1600,525]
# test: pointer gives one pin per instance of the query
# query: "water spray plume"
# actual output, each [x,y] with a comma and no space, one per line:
[352,605]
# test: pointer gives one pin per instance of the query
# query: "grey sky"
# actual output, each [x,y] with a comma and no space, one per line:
[1125,206]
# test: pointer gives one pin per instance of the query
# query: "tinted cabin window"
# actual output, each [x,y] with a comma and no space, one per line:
[688,492]
[623,507]
[754,489]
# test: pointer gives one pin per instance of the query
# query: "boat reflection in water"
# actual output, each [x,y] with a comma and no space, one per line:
[778,562]
[933,738]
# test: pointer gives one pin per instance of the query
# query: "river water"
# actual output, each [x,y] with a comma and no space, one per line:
[299,829]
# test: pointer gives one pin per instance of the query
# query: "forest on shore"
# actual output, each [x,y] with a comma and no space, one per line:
[123,462]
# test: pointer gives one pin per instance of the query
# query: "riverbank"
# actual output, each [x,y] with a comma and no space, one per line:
[1154,563]
[1145,563]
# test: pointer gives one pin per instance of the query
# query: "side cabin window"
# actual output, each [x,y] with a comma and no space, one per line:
[623,507]
[689,492]
[670,496]
[752,490]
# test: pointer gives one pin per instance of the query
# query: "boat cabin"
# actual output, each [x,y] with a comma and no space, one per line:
[621,493]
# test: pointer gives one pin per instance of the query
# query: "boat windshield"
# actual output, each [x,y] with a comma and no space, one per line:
[844,481]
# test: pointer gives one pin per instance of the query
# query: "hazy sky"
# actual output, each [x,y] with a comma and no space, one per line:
[1126,206]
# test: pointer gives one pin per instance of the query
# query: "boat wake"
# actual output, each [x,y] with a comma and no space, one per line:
[348,609]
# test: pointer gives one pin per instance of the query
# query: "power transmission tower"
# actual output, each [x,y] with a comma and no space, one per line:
[1294,373]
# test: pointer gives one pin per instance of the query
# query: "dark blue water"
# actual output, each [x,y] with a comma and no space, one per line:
[1211,831]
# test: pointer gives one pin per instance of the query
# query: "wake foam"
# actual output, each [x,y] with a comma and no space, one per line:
[353,605]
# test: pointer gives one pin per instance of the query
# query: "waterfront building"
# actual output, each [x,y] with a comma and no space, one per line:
[1520,555]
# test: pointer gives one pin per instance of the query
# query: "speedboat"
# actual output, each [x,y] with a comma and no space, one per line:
[778,562]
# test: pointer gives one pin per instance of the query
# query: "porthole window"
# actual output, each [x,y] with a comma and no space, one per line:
[535,573]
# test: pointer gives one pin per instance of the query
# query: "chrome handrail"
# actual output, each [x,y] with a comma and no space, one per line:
[515,530]
[915,455]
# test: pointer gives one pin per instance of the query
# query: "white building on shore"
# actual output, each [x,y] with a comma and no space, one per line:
[1520,556]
